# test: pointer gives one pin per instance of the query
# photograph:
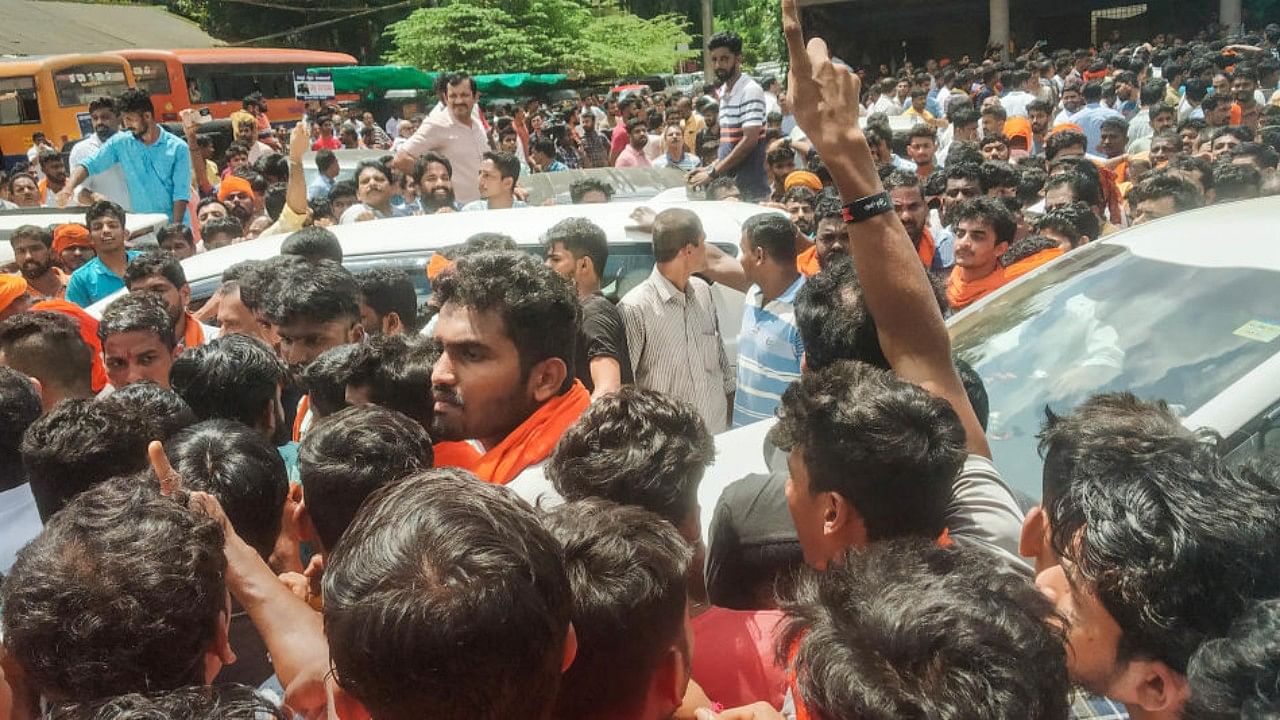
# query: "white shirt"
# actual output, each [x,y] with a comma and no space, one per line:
[1015,103]
[19,523]
[887,105]
[109,183]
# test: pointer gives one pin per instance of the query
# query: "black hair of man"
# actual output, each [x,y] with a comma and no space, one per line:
[103,103]
[996,111]
[101,209]
[138,312]
[77,445]
[1030,184]
[1025,248]
[730,41]
[920,130]
[438,575]
[348,455]
[238,466]
[1091,92]
[544,145]
[376,165]
[580,238]
[1264,155]
[394,371]
[135,100]
[150,264]
[174,231]
[342,189]
[538,307]
[1234,677]
[457,78]
[724,182]
[833,320]
[997,139]
[325,379]
[775,234]
[1073,220]
[274,198]
[48,346]
[627,627]
[1122,476]
[965,117]
[673,230]
[1039,105]
[1240,132]
[961,638]
[962,152]
[1185,195]
[1195,164]
[507,165]
[636,447]
[1084,188]
[1234,181]
[141,620]
[32,232]
[19,408]
[998,174]
[428,158]
[989,210]
[320,291]
[222,701]
[313,244]
[579,189]
[907,446]
[325,159]
[228,225]
[1151,92]
[800,193]
[273,167]
[390,290]
[159,412]
[1116,124]
[1061,140]
[232,377]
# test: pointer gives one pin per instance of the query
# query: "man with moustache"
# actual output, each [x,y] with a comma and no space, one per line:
[741,121]
[156,163]
[936,251]
[433,174]
[33,253]
[110,184]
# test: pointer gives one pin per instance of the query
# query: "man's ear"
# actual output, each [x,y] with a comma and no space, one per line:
[546,378]
[298,524]
[841,521]
[184,294]
[1031,542]
[570,649]
[1156,687]
[670,681]
[391,324]
[357,333]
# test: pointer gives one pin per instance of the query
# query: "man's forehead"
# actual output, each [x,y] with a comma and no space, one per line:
[132,343]
[460,323]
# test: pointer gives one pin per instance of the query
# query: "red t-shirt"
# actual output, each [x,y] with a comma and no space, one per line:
[329,143]
[620,138]
[734,656]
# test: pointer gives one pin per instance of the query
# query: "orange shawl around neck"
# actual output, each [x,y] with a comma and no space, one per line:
[962,293]
[533,440]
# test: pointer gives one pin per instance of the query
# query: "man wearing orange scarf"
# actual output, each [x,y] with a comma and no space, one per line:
[162,274]
[936,254]
[984,229]
[508,328]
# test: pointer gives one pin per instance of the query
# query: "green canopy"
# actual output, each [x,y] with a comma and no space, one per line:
[376,80]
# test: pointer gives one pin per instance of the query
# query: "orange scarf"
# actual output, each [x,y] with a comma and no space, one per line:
[304,409]
[455,454]
[962,293]
[193,336]
[807,262]
[926,249]
[37,296]
[1031,262]
[534,439]
[88,332]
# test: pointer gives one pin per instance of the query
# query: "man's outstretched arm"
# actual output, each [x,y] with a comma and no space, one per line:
[912,333]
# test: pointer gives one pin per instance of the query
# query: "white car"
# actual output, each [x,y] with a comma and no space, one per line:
[1184,309]
[408,243]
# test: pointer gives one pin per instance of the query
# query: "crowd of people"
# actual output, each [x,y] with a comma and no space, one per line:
[311,496]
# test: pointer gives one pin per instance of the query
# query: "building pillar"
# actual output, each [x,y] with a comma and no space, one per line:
[1000,26]
[708,27]
[1229,14]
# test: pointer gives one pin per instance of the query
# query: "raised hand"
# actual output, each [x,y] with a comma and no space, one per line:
[824,96]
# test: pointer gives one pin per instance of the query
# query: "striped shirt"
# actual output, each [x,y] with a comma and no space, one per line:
[769,352]
[674,339]
[742,106]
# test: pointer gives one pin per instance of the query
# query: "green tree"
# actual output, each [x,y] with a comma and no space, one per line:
[460,36]
[759,22]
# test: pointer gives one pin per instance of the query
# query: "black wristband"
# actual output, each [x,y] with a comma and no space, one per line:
[867,207]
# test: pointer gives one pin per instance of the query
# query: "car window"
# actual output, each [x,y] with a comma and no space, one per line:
[1108,320]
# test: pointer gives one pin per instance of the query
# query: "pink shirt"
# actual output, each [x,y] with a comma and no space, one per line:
[631,157]
[734,657]
[464,145]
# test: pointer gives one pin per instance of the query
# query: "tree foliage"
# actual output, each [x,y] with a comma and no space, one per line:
[759,22]
[538,36]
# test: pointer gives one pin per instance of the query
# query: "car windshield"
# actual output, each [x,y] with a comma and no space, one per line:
[1105,319]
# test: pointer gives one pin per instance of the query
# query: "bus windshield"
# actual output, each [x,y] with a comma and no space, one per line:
[82,84]
[152,76]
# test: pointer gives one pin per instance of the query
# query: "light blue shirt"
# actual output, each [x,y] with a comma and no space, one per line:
[158,174]
[94,281]
[1090,119]
[482,204]
[320,187]
[769,352]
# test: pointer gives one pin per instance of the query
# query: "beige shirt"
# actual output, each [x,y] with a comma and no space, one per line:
[464,145]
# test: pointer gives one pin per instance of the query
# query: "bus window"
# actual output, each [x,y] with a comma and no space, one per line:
[18,102]
[152,76]
[82,84]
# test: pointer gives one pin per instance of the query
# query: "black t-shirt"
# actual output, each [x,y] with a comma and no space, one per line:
[602,335]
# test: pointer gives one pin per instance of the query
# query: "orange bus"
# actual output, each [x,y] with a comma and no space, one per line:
[219,78]
[51,94]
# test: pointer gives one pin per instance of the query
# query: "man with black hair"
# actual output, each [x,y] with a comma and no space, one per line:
[1123,476]
[633,154]
[1234,677]
[741,121]
[156,163]
[156,411]
[455,133]
[160,274]
[984,229]
[590,190]
[1244,85]
[577,249]
[328,167]
[123,592]
[964,182]
[498,175]
[829,239]
[1065,144]
[1261,156]
[508,329]
[1070,225]
[1236,181]
[1113,134]
[110,184]
[995,147]
[1195,170]
[769,346]
[470,575]
[1038,113]
[922,148]
[341,198]
[1029,253]
[138,341]
[1090,117]
[634,641]
[48,346]
[104,274]
[33,254]
[1163,195]
[177,240]
[673,332]
[325,380]
[313,244]
[998,179]
[1065,186]
[388,301]
[220,232]
[907,196]
[433,176]
[962,639]
[217,702]
[19,408]
[993,120]
[235,377]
